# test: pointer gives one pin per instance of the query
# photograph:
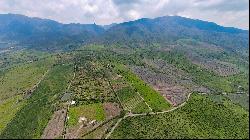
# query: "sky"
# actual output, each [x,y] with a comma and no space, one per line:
[230,13]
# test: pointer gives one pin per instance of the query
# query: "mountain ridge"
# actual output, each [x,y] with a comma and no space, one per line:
[45,32]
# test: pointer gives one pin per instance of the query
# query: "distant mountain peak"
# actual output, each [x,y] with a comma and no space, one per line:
[106,27]
[165,29]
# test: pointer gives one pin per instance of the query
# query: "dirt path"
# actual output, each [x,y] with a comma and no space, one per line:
[144,114]
[144,101]
[116,94]
[113,128]
[78,130]
[67,109]
[30,91]
[36,85]
[57,125]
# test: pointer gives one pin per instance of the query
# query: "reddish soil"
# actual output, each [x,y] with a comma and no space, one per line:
[111,110]
[55,127]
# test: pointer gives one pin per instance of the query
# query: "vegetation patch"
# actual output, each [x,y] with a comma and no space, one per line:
[241,99]
[19,57]
[91,84]
[90,112]
[101,131]
[153,98]
[132,101]
[199,118]
[30,121]
[19,79]
[8,109]
[140,108]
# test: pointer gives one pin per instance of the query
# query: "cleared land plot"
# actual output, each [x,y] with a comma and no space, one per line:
[55,127]
[199,118]
[172,87]
[153,98]
[241,99]
[111,110]
[118,82]
[219,67]
[199,75]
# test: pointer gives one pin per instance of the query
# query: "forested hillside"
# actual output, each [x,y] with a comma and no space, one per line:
[168,77]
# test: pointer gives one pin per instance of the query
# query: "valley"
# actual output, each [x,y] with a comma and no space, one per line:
[175,85]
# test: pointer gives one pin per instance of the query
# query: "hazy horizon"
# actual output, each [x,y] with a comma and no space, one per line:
[228,13]
[124,21]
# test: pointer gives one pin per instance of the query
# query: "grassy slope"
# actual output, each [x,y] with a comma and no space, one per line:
[30,121]
[16,81]
[21,78]
[8,108]
[199,118]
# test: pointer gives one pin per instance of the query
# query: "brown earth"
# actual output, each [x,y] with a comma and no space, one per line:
[175,94]
[111,110]
[55,127]
[79,130]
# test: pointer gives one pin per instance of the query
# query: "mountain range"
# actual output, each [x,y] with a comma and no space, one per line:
[164,78]
[47,34]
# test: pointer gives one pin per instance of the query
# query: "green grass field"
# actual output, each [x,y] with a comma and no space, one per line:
[141,108]
[8,108]
[30,121]
[90,111]
[199,118]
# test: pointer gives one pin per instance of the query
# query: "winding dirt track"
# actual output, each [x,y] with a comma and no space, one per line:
[41,79]
[144,114]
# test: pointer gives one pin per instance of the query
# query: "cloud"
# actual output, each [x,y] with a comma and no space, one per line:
[225,12]
[224,5]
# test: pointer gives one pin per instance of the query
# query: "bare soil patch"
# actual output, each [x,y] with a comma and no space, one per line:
[175,94]
[168,85]
[55,126]
[111,110]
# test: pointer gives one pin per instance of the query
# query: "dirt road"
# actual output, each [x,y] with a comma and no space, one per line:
[144,114]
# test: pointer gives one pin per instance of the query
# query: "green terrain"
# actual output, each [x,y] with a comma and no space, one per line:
[138,79]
